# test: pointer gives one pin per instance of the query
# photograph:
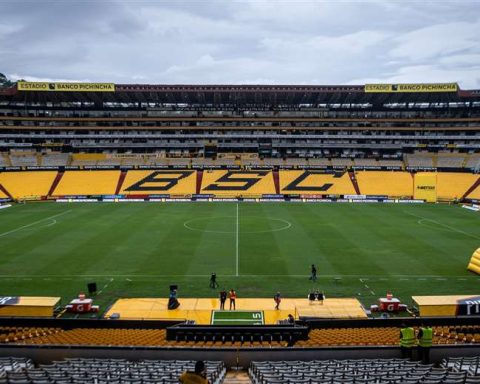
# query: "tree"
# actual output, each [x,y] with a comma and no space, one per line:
[4,82]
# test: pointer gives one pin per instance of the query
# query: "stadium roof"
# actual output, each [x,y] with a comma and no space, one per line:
[239,94]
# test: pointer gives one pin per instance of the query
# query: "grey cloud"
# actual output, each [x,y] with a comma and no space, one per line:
[241,41]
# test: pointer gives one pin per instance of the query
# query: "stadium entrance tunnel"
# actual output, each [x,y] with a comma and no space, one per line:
[229,224]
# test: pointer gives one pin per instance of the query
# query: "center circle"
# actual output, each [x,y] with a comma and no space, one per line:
[228,224]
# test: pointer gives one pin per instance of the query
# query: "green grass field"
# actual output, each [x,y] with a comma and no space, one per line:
[138,249]
[237,318]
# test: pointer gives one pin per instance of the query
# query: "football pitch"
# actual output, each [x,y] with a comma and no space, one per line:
[139,249]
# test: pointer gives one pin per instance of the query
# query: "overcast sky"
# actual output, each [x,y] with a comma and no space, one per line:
[240,42]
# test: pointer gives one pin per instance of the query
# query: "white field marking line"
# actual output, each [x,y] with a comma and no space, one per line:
[105,286]
[35,222]
[443,225]
[236,247]
[363,281]
[187,223]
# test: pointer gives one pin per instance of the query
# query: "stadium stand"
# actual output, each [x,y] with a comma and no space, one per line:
[28,184]
[391,183]
[181,182]
[238,183]
[475,194]
[55,159]
[87,183]
[452,186]
[420,159]
[4,160]
[90,370]
[473,161]
[315,183]
[20,159]
[82,159]
[317,337]
[450,160]
[355,371]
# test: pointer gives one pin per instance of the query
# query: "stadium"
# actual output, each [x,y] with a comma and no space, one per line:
[118,199]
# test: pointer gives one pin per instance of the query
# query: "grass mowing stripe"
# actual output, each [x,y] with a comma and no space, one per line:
[36,222]
[443,225]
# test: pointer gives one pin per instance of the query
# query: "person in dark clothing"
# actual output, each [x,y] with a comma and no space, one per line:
[313,273]
[277,298]
[213,280]
[223,298]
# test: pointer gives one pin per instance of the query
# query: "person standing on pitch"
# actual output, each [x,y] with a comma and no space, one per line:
[223,298]
[313,273]
[277,298]
[232,295]
[213,280]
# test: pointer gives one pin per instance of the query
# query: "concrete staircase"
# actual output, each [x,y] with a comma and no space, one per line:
[237,377]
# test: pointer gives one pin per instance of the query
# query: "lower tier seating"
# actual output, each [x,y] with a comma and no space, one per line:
[87,183]
[22,185]
[85,370]
[354,371]
[390,183]
[443,335]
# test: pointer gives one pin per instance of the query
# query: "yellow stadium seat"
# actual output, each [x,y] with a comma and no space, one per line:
[452,186]
[238,183]
[315,183]
[28,184]
[390,183]
[87,183]
[173,182]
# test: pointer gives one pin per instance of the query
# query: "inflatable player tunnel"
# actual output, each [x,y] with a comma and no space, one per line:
[474,264]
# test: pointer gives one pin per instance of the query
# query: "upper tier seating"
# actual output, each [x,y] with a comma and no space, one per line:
[84,370]
[473,161]
[55,159]
[87,183]
[315,183]
[419,159]
[23,160]
[353,371]
[391,183]
[342,162]
[4,160]
[181,182]
[83,159]
[27,184]
[232,188]
[450,160]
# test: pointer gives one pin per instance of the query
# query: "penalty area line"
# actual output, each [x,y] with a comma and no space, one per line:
[35,222]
